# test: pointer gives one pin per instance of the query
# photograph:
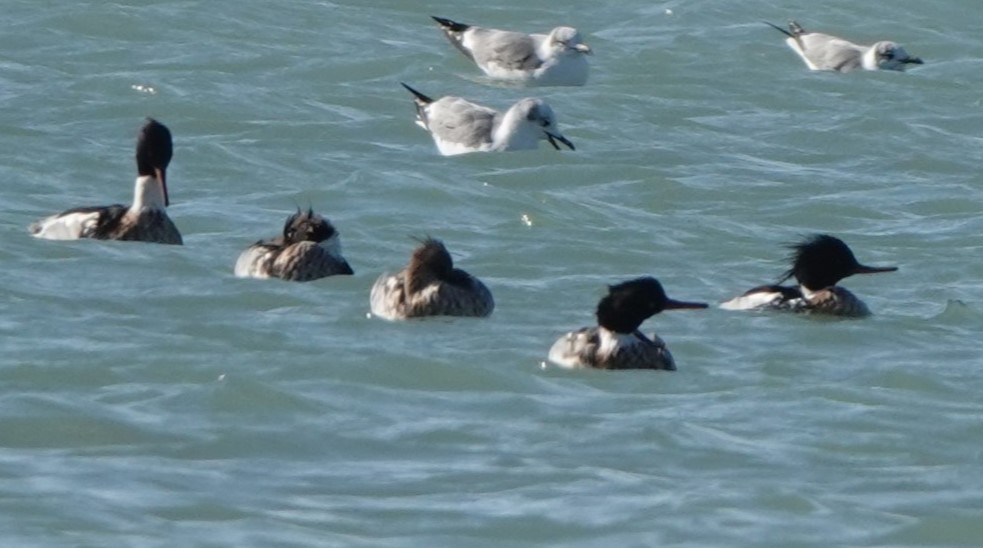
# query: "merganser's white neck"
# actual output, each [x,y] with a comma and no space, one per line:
[148,193]
[610,340]
[806,292]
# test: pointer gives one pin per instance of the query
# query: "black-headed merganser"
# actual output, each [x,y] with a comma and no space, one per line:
[144,220]
[459,126]
[818,263]
[309,248]
[616,342]
[430,286]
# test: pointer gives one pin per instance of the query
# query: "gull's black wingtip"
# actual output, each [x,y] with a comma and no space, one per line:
[779,29]
[419,96]
[449,25]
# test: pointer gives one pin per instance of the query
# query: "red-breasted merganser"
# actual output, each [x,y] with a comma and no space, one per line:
[616,342]
[818,263]
[555,59]
[309,248]
[430,286]
[458,126]
[145,220]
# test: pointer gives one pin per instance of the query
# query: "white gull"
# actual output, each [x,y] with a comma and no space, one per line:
[459,126]
[824,52]
[554,59]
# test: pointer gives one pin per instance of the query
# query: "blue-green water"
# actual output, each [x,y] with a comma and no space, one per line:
[149,398]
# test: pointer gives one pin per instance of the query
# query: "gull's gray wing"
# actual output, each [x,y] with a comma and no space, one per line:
[454,120]
[831,53]
[505,49]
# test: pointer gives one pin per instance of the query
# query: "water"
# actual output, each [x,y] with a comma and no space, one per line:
[151,399]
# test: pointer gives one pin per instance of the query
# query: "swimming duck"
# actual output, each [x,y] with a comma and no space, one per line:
[144,220]
[430,286]
[309,248]
[616,342]
[819,262]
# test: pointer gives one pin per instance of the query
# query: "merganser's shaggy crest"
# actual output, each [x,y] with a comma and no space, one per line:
[145,220]
[616,342]
[308,249]
[430,286]
[818,263]
[825,52]
[554,59]
[459,126]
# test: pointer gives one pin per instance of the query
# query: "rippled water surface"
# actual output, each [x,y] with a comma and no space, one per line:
[149,398]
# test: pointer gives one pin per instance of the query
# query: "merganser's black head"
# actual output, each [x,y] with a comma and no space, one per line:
[307,226]
[431,262]
[630,303]
[820,261]
[154,152]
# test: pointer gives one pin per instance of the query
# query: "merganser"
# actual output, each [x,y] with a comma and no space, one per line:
[616,342]
[145,220]
[459,126]
[824,52]
[818,263]
[309,248]
[430,286]
[555,59]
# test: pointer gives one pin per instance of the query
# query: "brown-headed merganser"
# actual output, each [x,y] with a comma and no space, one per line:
[309,248]
[430,286]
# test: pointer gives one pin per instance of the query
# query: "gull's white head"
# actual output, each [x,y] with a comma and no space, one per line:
[888,56]
[566,40]
[539,114]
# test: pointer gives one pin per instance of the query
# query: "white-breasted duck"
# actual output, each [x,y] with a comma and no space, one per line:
[144,220]
[309,248]
[430,286]
[616,342]
[819,262]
